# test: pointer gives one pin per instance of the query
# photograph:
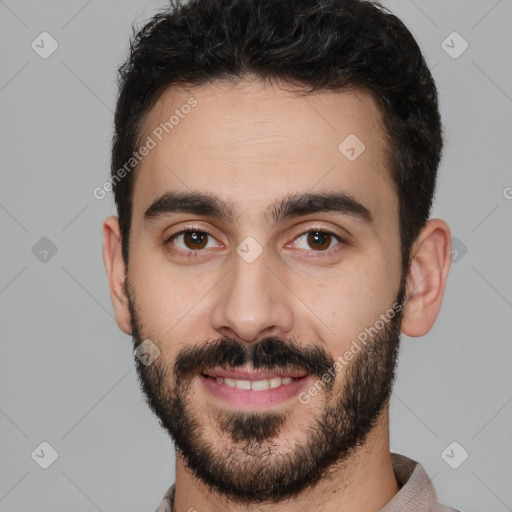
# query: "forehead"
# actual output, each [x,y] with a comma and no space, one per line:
[250,142]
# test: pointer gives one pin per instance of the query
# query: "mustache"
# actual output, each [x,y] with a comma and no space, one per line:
[271,354]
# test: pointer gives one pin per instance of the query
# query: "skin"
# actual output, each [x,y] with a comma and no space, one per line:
[251,144]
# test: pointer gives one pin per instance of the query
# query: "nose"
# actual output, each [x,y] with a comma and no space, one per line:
[254,302]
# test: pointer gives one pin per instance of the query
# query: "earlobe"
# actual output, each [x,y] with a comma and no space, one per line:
[426,280]
[116,272]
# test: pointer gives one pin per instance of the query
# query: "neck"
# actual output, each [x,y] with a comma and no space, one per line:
[365,481]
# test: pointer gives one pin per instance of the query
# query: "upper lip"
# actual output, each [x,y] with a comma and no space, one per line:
[246,374]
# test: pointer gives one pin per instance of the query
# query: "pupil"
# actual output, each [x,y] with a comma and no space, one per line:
[196,238]
[319,239]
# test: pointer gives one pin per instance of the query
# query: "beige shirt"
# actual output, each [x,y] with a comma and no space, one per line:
[416,494]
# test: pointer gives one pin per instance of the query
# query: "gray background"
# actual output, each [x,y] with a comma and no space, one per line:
[66,371]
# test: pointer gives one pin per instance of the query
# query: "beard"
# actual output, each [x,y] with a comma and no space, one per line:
[250,460]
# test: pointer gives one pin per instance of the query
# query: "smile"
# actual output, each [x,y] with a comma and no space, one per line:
[248,394]
[254,385]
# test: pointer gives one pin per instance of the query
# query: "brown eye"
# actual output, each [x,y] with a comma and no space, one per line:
[189,242]
[319,239]
[195,239]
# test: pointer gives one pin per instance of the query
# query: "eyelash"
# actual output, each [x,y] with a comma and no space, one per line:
[195,254]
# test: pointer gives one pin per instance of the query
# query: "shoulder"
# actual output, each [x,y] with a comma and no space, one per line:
[167,501]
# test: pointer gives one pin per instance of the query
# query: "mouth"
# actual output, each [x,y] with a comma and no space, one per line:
[251,375]
[254,385]
[249,389]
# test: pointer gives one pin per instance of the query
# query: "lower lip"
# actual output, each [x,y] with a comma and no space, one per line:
[249,399]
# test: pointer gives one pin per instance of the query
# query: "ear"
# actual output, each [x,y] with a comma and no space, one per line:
[116,272]
[426,279]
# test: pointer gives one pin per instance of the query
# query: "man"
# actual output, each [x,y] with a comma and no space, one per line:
[274,165]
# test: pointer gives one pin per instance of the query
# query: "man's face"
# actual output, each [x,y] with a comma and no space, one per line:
[288,290]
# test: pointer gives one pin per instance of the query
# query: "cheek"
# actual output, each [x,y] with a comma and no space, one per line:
[349,302]
[168,296]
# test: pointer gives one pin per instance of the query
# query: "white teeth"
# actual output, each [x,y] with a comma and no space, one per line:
[275,383]
[242,384]
[254,385]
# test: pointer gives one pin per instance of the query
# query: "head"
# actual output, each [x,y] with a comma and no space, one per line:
[279,210]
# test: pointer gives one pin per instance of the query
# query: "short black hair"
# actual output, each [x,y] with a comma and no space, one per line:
[319,45]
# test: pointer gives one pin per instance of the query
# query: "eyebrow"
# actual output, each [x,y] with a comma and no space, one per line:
[205,204]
